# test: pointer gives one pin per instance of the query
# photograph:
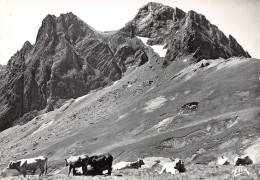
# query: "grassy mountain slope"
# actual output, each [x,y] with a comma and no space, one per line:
[145,114]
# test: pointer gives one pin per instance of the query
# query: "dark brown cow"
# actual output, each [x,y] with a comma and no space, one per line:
[100,163]
[30,164]
[243,161]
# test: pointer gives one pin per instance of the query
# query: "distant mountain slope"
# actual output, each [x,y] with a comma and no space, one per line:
[70,58]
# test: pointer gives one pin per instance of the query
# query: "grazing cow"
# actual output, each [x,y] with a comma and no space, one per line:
[100,163]
[243,161]
[129,165]
[223,160]
[30,164]
[173,167]
[77,161]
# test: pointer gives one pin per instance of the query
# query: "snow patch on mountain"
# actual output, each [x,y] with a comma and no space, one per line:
[156,48]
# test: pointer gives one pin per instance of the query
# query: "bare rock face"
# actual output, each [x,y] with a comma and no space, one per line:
[70,58]
[12,88]
[184,33]
[2,71]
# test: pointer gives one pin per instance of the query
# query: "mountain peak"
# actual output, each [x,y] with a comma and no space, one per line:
[154,5]
[184,33]
[70,16]
[27,47]
[49,19]
[48,23]
[178,14]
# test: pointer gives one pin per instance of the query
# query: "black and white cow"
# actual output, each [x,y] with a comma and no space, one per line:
[30,164]
[129,165]
[76,162]
[177,166]
[222,160]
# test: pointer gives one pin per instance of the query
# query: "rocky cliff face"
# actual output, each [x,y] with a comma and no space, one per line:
[2,71]
[184,33]
[70,58]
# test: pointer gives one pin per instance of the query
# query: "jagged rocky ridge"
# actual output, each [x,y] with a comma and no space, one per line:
[70,58]
[184,33]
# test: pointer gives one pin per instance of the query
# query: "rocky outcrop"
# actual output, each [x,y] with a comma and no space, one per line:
[2,70]
[184,33]
[70,58]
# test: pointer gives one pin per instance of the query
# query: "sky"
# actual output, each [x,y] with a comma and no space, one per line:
[21,19]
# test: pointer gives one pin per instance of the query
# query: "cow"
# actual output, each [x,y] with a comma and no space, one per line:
[129,165]
[243,161]
[177,166]
[99,163]
[223,160]
[76,162]
[30,164]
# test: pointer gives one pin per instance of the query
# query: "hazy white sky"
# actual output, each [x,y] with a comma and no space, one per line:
[21,19]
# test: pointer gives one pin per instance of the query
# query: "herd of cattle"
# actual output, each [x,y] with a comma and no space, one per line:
[95,165]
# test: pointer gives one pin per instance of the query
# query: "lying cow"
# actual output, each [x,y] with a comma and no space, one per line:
[223,160]
[243,161]
[76,162]
[177,166]
[129,165]
[30,164]
[100,163]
